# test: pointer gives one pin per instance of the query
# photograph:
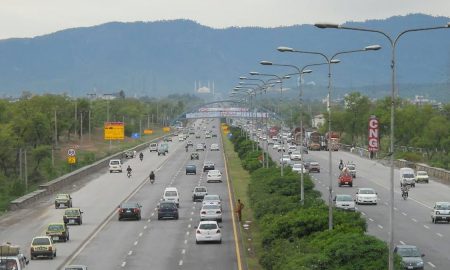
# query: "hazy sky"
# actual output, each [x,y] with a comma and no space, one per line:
[27,18]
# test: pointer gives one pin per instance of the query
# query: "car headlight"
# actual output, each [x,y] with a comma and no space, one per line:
[420,263]
[437,213]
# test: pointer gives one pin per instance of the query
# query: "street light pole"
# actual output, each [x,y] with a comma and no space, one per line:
[393,43]
[330,168]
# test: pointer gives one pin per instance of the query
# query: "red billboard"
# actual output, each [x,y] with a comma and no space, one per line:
[373,134]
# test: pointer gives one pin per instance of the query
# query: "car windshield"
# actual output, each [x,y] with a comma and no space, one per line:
[63,197]
[366,191]
[55,227]
[8,264]
[171,194]
[41,241]
[212,198]
[209,226]
[408,175]
[422,173]
[408,252]
[167,205]
[345,198]
[129,205]
[114,162]
[297,166]
[190,167]
[211,206]
[443,207]
[351,167]
[71,212]
[200,189]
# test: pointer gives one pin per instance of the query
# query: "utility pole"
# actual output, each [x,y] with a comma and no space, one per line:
[26,171]
[81,127]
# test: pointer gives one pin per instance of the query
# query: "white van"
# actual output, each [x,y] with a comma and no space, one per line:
[171,194]
[153,147]
[115,165]
[407,177]
[180,137]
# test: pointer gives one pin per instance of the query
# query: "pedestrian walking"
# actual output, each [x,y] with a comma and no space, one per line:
[239,207]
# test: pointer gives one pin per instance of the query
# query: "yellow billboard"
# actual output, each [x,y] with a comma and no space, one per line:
[166,129]
[148,131]
[114,131]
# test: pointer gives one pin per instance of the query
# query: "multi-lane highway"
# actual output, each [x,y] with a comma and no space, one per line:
[412,220]
[103,242]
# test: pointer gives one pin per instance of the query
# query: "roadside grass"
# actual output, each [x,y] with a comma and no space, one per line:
[240,180]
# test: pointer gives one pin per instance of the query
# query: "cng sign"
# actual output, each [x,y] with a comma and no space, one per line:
[373,134]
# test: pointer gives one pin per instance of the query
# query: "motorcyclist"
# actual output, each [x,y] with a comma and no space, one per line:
[152,176]
[187,146]
[141,156]
[405,190]
[129,170]
[341,165]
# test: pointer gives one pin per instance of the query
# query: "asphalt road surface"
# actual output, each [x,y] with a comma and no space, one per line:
[103,242]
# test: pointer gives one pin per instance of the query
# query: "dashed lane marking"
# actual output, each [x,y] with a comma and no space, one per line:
[371,219]
[183,251]
[403,213]
[187,233]
[180,263]
[426,227]
[135,243]
[145,227]
[189,225]
[140,234]
[431,264]
[401,242]
[123,264]
[130,252]
[413,219]
[185,241]
[379,226]
[439,234]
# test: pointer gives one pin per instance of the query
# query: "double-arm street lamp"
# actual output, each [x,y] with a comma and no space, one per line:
[328,60]
[393,42]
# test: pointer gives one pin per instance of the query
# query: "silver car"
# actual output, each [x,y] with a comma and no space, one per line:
[211,212]
[344,201]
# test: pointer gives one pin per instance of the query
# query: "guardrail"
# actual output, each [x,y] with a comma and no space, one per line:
[439,173]
[67,179]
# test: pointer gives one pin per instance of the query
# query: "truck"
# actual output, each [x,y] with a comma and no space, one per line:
[314,141]
[407,177]
[334,140]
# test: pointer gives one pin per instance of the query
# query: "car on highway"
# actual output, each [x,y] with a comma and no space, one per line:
[167,209]
[344,201]
[153,147]
[207,135]
[422,176]
[211,212]
[275,146]
[130,154]
[208,165]
[351,169]
[208,231]
[73,216]
[58,231]
[213,176]
[171,195]
[168,139]
[214,147]
[366,196]
[199,147]
[164,146]
[129,210]
[411,257]
[440,212]
[314,166]
[76,267]
[197,136]
[345,178]
[212,199]
[191,169]
[407,177]
[199,192]
[214,135]
[295,156]
[195,156]
[306,162]
[285,160]
[190,143]
[291,149]
[63,199]
[42,246]
[115,165]
[298,168]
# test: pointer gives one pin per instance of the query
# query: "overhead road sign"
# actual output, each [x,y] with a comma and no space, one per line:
[148,131]
[166,129]
[114,131]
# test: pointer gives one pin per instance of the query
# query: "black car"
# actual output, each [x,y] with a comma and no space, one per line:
[411,257]
[191,169]
[167,210]
[190,143]
[130,210]
[195,156]
[214,135]
[208,166]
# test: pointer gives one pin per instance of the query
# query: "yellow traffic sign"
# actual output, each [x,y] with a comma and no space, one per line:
[114,131]
[166,129]
[71,159]
[148,131]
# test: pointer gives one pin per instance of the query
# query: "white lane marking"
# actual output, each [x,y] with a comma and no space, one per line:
[123,264]
[413,219]
[135,243]
[185,241]
[130,252]
[395,208]
[180,263]
[140,235]
[426,227]
[189,225]
[190,219]
[379,226]
[431,264]
[145,227]
[439,234]
[403,213]
[362,213]
[148,220]
[193,207]
[153,214]
[401,242]
[183,251]
[370,219]
[187,233]
[192,213]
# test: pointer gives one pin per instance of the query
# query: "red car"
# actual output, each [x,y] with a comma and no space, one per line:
[345,178]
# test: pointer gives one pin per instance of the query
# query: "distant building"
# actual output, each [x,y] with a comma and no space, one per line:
[318,121]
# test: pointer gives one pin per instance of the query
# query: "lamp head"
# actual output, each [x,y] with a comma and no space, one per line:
[285,49]
[254,73]
[265,63]
[372,48]
[326,25]
[335,61]
[243,78]
[306,71]
[286,77]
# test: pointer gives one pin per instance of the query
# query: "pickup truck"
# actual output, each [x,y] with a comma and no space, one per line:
[345,178]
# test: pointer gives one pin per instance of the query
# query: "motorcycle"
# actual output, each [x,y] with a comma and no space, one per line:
[141,156]
[405,194]
[128,174]
[152,178]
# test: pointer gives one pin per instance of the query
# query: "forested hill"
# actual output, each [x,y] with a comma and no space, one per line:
[165,57]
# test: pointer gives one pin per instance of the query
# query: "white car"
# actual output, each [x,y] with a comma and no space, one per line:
[344,201]
[422,176]
[285,159]
[441,211]
[276,146]
[292,148]
[212,199]
[211,212]
[207,136]
[213,176]
[296,155]
[115,165]
[270,141]
[153,147]
[366,196]
[199,147]
[214,147]
[171,195]
[298,167]
[208,231]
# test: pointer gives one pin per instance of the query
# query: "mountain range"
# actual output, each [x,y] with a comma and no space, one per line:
[168,57]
